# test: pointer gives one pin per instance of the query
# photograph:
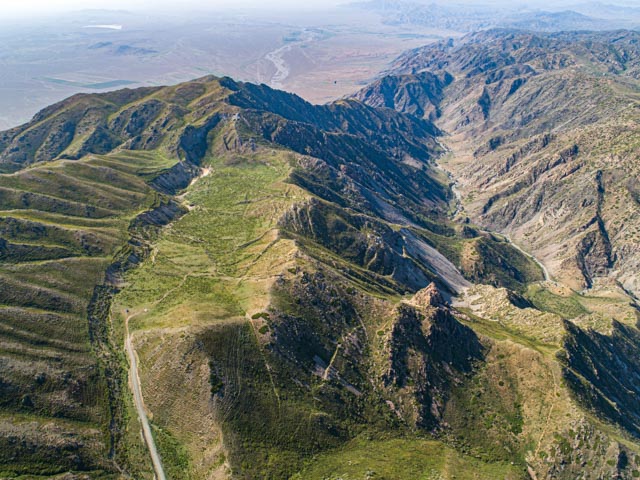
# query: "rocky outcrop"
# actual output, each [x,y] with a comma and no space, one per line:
[428,353]
[134,120]
[595,255]
[193,144]
[429,296]
[176,178]
[142,230]
[603,371]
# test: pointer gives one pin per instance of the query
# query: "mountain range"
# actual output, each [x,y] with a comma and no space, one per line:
[433,278]
[469,17]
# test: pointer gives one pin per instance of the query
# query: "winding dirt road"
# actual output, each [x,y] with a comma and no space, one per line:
[134,380]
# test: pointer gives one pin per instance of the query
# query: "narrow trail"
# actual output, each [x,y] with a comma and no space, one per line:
[548,422]
[530,470]
[459,208]
[266,364]
[139,403]
[547,277]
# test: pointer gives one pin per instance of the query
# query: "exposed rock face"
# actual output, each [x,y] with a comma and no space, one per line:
[428,297]
[142,230]
[534,112]
[134,120]
[604,372]
[429,352]
[363,241]
[193,143]
[176,178]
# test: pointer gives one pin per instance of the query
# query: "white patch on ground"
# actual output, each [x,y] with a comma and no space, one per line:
[439,264]
[105,27]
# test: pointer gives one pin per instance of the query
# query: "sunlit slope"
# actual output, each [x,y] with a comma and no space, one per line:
[282,268]
[62,223]
[237,324]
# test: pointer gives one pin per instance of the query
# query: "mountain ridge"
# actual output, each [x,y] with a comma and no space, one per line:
[301,291]
[347,224]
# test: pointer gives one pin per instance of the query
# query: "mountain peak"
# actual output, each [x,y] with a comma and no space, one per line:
[429,296]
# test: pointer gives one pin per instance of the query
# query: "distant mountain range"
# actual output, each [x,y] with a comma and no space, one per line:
[472,17]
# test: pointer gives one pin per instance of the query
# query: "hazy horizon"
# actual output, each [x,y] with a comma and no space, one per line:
[28,8]
[315,48]
[35,8]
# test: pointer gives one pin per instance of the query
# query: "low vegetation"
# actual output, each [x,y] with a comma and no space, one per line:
[282,269]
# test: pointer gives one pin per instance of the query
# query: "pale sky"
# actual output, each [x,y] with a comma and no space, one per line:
[36,7]
[27,8]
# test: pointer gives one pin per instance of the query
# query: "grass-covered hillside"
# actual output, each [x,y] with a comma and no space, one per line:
[62,224]
[285,274]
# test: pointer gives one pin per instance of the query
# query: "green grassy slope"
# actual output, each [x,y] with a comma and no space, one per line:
[271,258]
[62,224]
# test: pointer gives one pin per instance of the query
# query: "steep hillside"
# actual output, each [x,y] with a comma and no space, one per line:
[542,129]
[298,291]
[541,132]
[257,249]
